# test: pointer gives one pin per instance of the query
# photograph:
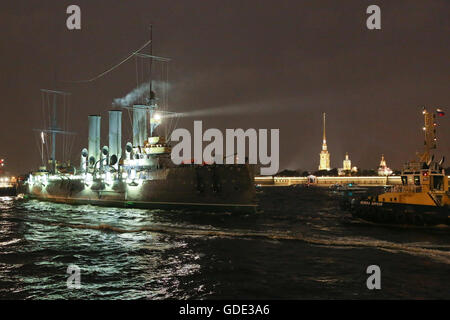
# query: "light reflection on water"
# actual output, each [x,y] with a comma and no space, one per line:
[297,247]
[113,265]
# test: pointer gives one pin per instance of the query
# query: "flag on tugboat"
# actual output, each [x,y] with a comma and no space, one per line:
[440,112]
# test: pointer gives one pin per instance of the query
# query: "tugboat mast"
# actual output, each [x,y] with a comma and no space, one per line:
[430,135]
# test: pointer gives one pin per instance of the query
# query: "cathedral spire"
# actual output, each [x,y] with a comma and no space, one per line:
[324,136]
[324,155]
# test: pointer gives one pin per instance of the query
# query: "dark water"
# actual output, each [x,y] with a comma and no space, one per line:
[301,246]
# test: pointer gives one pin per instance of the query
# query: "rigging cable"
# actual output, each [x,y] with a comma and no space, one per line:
[112,68]
[64,128]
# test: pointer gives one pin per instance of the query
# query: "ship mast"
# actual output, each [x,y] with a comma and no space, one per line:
[151,95]
[151,62]
[145,110]
[54,128]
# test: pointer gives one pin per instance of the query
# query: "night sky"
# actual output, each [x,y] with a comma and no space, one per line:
[272,64]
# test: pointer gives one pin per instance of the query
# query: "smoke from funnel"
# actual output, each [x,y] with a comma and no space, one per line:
[138,93]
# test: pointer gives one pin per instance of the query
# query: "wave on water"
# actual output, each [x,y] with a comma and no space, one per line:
[415,249]
[7,243]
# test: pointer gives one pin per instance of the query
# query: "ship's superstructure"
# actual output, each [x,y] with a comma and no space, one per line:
[324,163]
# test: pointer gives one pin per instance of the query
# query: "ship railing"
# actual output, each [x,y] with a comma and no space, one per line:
[7,185]
[406,189]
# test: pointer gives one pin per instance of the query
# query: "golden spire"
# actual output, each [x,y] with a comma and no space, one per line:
[324,136]
[324,155]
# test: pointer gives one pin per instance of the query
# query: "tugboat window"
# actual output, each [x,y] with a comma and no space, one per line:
[438,182]
[417,180]
[404,180]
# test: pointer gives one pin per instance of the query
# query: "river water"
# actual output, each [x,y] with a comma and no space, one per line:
[299,245]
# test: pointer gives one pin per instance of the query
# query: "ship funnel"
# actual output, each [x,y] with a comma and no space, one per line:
[115,137]
[84,158]
[128,150]
[139,125]
[94,140]
[104,157]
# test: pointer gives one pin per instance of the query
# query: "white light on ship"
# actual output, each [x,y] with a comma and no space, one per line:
[88,179]
[132,174]
[157,116]
[108,178]
[45,180]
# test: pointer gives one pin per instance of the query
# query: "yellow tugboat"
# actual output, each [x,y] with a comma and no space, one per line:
[423,198]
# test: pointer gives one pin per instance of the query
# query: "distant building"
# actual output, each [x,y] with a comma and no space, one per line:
[324,163]
[347,163]
[383,169]
[347,166]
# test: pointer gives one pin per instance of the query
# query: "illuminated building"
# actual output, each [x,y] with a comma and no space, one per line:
[346,166]
[324,154]
[383,169]
[347,163]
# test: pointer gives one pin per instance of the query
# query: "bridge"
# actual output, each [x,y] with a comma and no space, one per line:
[328,181]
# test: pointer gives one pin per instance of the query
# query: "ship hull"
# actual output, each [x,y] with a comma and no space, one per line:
[397,213]
[212,188]
[215,207]
[8,191]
